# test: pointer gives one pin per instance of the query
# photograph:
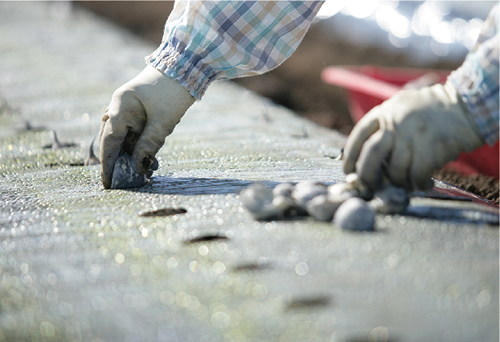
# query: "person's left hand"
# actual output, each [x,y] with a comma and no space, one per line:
[409,136]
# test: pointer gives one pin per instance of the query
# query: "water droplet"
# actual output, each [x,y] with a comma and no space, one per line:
[220,320]
[135,270]
[24,268]
[98,303]
[66,309]
[183,299]
[120,258]
[483,298]
[203,250]
[172,262]
[219,267]
[47,329]
[301,268]
[193,265]
[167,297]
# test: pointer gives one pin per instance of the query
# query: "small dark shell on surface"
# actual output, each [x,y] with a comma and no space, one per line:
[29,127]
[206,238]
[164,212]
[309,302]
[92,159]
[57,144]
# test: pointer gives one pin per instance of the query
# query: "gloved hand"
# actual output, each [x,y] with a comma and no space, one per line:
[409,136]
[142,113]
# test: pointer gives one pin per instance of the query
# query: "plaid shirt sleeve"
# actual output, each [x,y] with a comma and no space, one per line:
[477,79]
[205,41]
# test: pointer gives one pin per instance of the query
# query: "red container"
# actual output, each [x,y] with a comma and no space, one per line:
[368,86]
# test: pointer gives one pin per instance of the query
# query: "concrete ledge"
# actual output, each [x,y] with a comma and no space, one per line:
[79,263]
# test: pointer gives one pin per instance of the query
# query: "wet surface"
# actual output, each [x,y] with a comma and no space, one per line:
[454,215]
[80,263]
[195,186]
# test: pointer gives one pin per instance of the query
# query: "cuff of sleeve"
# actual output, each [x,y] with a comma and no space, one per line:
[478,90]
[187,70]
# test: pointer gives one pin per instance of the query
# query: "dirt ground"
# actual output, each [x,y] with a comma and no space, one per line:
[296,84]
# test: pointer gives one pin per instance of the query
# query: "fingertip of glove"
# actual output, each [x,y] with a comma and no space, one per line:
[370,176]
[106,183]
[141,164]
[107,168]
[348,167]
[146,163]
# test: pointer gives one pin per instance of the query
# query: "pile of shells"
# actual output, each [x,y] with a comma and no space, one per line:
[350,205]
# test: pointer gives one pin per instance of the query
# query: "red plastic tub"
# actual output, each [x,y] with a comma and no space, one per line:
[368,86]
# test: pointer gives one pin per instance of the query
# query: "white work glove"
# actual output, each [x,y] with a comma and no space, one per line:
[142,113]
[409,136]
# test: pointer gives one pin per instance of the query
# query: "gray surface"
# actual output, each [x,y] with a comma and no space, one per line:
[79,263]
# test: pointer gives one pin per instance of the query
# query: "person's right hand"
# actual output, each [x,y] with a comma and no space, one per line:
[142,113]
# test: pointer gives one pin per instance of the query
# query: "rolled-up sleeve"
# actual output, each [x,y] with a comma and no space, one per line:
[206,41]
[477,79]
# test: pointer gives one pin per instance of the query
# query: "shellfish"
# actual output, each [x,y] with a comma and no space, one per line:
[322,207]
[305,191]
[258,199]
[57,144]
[124,175]
[355,214]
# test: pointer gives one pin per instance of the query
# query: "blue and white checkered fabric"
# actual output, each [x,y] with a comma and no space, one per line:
[477,79]
[210,40]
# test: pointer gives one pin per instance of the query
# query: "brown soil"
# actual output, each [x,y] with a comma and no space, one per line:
[484,186]
[296,84]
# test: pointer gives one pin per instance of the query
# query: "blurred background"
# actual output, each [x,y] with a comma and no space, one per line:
[409,34]
[424,34]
